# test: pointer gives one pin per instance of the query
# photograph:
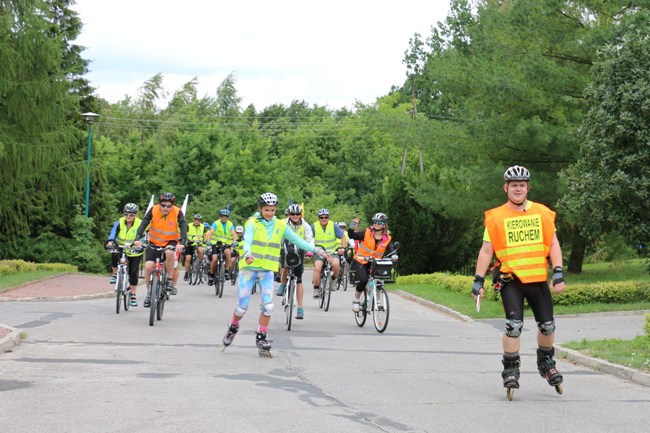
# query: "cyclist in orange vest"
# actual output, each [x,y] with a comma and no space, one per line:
[167,226]
[521,234]
[375,241]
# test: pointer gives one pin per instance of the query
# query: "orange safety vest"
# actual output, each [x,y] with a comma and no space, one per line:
[164,228]
[522,240]
[369,247]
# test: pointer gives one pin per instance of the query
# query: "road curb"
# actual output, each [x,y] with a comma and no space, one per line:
[433,305]
[604,366]
[11,340]
[60,298]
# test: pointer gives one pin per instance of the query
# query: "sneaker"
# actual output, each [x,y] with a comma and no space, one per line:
[147,302]
[170,286]
[316,293]
[113,279]
[174,290]
[210,280]
[300,314]
[356,305]
[380,307]
[281,289]
[227,275]
[134,301]
[186,277]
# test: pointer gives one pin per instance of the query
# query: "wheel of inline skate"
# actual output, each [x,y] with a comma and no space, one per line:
[559,389]
[510,392]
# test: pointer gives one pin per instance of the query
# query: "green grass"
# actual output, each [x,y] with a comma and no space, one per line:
[634,269]
[631,353]
[14,279]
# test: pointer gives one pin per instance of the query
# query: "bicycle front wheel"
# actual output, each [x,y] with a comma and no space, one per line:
[160,305]
[118,292]
[234,273]
[153,291]
[380,310]
[222,278]
[195,270]
[291,295]
[327,292]
[360,316]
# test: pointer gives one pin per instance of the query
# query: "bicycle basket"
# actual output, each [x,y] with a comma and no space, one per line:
[383,268]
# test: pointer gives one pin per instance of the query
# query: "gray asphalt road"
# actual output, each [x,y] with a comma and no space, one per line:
[85,369]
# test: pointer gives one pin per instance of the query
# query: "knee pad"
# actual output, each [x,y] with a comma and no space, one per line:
[546,328]
[514,327]
[240,311]
[267,309]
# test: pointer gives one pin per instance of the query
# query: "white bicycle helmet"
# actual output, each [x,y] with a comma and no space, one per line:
[516,172]
[342,224]
[381,217]
[239,229]
[131,207]
[294,209]
[268,199]
[323,211]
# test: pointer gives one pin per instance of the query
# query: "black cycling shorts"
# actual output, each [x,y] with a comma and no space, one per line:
[538,296]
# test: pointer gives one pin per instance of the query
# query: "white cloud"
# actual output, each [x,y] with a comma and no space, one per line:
[326,53]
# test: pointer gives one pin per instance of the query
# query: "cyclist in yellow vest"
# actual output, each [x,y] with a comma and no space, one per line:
[263,236]
[222,231]
[329,236]
[123,233]
[297,223]
[195,236]
[521,234]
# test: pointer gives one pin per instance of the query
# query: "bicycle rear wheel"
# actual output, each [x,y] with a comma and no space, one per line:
[327,292]
[380,310]
[125,291]
[234,273]
[360,316]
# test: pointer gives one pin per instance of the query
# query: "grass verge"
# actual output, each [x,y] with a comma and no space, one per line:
[630,353]
[9,281]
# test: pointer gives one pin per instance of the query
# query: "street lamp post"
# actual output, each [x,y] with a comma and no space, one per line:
[90,117]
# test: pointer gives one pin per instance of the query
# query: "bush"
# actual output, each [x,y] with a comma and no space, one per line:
[647,325]
[15,266]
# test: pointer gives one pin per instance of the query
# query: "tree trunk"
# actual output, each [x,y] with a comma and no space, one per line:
[578,246]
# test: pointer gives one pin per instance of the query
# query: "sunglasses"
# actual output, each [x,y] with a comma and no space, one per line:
[129,214]
[379,223]
[166,206]
[294,214]
[323,218]
[224,216]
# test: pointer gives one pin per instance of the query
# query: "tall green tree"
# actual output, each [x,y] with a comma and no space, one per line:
[609,185]
[41,139]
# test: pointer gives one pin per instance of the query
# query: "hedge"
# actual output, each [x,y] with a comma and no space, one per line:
[14,266]
[609,292]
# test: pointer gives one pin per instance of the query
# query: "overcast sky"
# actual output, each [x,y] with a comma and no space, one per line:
[323,52]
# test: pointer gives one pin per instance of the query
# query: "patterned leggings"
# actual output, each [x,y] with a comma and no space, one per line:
[264,280]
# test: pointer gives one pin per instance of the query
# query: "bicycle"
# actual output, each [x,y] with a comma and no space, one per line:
[122,286]
[344,275]
[157,285]
[220,268]
[325,288]
[194,274]
[291,261]
[234,269]
[379,306]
